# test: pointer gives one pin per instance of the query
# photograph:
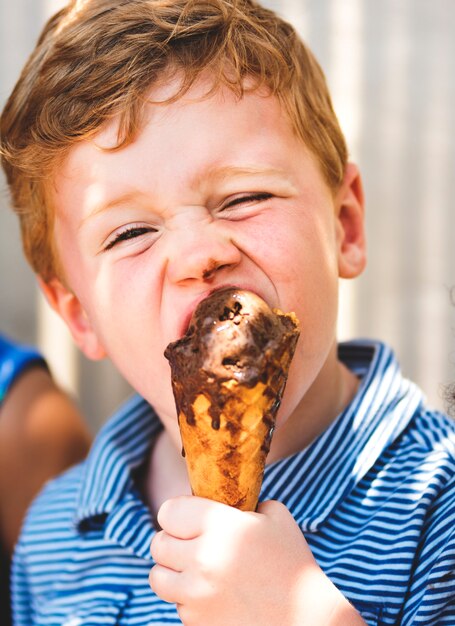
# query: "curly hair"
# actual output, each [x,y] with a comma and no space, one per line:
[98,59]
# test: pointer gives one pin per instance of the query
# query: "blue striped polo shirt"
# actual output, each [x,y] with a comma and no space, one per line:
[374,496]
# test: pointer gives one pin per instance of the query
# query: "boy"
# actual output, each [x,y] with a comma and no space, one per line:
[158,150]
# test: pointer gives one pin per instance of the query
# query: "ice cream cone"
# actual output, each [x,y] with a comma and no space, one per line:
[228,375]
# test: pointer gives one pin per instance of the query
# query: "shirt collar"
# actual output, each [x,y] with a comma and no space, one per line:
[310,483]
[313,482]
[121,446]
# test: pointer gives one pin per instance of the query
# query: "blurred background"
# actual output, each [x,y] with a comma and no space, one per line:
[391,69]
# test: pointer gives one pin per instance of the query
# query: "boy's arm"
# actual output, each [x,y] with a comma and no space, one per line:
[224,567]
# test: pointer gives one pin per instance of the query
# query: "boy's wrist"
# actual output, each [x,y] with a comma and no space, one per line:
[332,607]
[344,614]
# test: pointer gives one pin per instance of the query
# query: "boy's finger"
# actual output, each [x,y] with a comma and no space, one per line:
[186,517]
[165,583]
[169,551]
[178,517]
[273,509]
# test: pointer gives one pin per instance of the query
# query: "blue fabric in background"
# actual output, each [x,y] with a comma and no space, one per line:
[14,360]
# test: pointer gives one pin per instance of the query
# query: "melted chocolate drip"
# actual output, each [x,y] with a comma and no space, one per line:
[233,335]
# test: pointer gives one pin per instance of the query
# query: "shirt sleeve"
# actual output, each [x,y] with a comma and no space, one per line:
[431,599]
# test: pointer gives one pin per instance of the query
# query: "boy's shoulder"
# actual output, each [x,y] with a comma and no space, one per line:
[390,392]
[119,447]
[90,489]
[86,523]
[434,432]
[426,450]
[401,435]
[54,508]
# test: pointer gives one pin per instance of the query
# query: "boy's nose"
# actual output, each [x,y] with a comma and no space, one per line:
[201,256]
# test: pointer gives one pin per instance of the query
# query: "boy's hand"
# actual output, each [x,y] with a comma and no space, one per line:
[224,567]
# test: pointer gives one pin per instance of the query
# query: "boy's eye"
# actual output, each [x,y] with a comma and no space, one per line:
[129,232]
[245,200]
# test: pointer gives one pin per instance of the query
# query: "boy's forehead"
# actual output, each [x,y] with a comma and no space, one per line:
[165,96]
[160,107]
[168,134]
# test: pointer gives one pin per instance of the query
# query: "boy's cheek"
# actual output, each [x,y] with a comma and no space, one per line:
[148,372]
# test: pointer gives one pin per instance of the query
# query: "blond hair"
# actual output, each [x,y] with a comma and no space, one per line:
[97,59]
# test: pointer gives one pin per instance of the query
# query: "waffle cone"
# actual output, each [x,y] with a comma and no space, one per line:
[228,376]
[227,463]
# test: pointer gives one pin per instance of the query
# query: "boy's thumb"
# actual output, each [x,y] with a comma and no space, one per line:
[273,509]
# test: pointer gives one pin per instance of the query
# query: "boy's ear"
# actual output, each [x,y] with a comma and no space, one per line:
[350,224]
[70,309]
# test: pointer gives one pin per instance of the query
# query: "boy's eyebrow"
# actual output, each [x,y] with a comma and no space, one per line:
[216,174]
[220,173]
[101,207]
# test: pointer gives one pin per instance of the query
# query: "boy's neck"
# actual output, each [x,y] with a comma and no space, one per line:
[164,474]
[331,392]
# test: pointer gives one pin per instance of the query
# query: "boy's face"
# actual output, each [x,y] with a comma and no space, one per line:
[214,192]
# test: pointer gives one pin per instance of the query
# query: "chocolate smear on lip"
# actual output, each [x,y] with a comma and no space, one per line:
[229,371]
